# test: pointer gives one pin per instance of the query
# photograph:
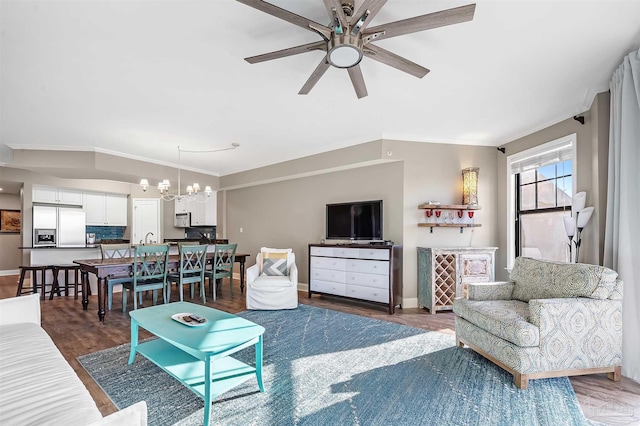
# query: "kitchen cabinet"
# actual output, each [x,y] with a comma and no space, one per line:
[202,214]
[105,209]
[205,214]
[50,195]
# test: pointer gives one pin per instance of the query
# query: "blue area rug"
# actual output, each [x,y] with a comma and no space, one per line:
[323,367]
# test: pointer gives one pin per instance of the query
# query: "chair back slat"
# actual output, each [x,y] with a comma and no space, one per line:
[224,257]
[192,258]
[151,262]
[115,251]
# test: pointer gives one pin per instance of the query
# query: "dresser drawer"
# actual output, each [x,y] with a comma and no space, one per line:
[368,293]
[329,263]
[373,254]
[328,287]
[322,251]
[346,252]
[368,266]
[368,280]
[328,275]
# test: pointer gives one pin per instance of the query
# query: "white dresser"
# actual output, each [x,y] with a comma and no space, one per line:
[365,272]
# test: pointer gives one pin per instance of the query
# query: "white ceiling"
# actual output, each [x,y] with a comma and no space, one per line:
[139,78]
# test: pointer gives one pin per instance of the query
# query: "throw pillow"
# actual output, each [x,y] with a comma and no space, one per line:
[275,267]
[532,278]
[273,253]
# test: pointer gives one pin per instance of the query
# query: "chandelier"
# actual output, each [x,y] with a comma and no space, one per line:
[193,193]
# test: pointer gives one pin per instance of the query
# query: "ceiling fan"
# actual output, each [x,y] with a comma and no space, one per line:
[347,39]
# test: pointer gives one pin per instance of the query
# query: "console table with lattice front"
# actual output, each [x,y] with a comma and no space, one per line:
[443,274]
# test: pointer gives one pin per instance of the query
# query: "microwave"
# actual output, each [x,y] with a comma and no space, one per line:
[182,220]
[44,237]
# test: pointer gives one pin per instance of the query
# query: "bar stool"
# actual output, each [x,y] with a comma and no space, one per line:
[34,280]
[75,269]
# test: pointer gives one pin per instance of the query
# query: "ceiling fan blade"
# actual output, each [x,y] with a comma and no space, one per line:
[317,45]
[315,76]
[395,61]
[355,73]
[365,14]
[282,14]
[337,5]
[423,22]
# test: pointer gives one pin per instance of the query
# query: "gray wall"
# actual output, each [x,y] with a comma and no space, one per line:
[291,213]
[592,150]
[284,208]
[434,172]
[10,256]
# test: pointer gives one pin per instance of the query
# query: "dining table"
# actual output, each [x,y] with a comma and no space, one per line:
[104,268]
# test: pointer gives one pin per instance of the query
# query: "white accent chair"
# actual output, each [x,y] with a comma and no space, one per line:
[268,292]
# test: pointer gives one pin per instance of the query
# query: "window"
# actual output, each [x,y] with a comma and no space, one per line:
[543,197]
[541,185]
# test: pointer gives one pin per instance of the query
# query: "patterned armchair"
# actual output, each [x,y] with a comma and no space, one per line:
[551,320]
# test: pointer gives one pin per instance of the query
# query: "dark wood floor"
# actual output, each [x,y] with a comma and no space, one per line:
[77,332]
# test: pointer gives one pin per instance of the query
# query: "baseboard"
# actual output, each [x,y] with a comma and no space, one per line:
[409,302]
[301,286]
[9,272]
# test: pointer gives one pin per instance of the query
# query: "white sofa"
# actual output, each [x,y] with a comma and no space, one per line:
[37,385]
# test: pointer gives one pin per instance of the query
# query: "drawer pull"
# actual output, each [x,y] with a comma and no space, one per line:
[375,294]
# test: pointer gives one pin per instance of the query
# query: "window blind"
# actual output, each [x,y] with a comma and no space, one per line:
[545,158]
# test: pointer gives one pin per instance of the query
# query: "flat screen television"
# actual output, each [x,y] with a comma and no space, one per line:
[361,220]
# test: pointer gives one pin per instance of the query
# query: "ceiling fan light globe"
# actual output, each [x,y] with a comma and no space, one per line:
[344,56]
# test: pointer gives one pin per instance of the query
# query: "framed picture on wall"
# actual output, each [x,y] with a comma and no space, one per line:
[10,221]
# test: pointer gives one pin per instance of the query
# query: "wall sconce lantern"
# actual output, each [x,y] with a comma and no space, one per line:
[470,186]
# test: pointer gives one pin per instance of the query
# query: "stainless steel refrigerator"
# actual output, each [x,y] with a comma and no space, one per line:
[69,223]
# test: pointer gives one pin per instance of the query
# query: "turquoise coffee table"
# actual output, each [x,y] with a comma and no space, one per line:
[198,356]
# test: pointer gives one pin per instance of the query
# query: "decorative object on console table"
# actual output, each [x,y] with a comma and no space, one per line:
[437,208]
[443,274]
[365,272]
[10,221]
[470,186]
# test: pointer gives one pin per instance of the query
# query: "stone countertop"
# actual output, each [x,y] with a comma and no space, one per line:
[86,246]
[175,241]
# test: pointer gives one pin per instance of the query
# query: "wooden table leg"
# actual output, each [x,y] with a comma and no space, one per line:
[242,275]
[102,295]
[84,277]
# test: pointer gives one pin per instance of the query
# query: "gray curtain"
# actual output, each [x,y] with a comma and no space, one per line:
[622,232]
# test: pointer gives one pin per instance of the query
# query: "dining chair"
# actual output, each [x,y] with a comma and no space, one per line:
[150,273]
[115,251]
[221,266]
[192,266]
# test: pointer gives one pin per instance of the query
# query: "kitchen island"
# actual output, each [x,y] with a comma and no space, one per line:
[43,255]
